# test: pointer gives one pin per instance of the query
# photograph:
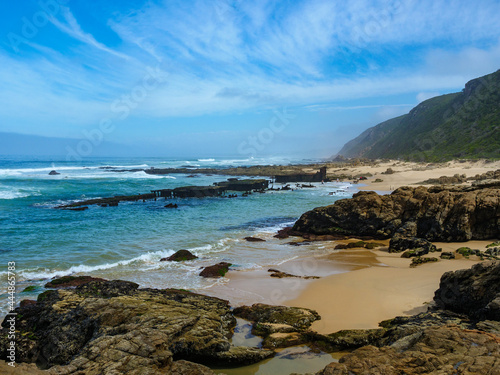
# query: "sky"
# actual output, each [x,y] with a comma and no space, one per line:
[231,77]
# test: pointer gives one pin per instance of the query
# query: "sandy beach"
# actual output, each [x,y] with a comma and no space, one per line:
[408,173]
[359,288]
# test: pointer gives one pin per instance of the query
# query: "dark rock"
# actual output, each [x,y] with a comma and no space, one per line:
[172,205]
[296,317]
[283,233]
[399,243]
[180,256]
[437,350]
[53,173]
[71,281]
[115,328]
[475,291]
[280,274]
[435,214]
[77,208]
[27,302]
[419,260]
[254,239]
[217,270]
[447,255]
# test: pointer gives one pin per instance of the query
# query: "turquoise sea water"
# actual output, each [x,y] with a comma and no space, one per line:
[128,241]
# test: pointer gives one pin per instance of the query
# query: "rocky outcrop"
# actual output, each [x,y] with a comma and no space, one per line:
[475,291]
[217,270]
[280,274]
[180,256]
[399,243]
[280,326]
[53,173]
[71,281]
[435,214]
[436,350]
[113,327]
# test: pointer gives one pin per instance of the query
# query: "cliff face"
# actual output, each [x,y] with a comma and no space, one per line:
[459,125]
[436,214]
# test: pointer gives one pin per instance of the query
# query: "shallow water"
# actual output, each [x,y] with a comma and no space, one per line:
[128,241]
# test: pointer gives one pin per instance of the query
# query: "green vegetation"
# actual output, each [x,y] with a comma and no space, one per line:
[494,244]
[464,125]
[30,288]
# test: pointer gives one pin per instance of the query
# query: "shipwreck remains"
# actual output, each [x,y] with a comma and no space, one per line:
[219,189]
[319,176]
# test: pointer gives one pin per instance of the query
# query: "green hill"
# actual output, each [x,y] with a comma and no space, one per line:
[460,125]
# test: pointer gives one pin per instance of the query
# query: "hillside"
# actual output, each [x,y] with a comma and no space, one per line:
[459,125]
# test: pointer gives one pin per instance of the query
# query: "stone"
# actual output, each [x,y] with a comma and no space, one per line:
[400,243]
[447,255]
[71,281]
[439,213]
[180,256]
[53,173]
[421,260]
[438,350]
[474,291]
[113,327]
[283,233]
[280,274]
[217,270]
[254,239]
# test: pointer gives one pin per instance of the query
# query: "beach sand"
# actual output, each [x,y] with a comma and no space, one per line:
[358,288]
[409,173]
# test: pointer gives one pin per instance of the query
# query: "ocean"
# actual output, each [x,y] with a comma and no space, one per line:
[128,241]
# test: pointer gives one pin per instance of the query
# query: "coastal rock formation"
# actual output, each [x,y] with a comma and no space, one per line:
[180,256]
[435,214]
[53,173]
[399,243]
[71,281]
[280,274]
[436,350]
[280,326]
[217,270]
[113,327]
[475,291]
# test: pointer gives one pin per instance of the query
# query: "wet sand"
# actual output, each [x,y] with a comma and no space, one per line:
[358,288]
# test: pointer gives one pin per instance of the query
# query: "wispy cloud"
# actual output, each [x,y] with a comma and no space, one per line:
[70,26]
[225,57]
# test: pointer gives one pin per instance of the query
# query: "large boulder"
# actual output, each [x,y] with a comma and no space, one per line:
[436,214]
[180,256]
[474,291]
[113,327]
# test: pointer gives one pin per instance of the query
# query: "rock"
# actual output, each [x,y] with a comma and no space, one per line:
[280,326]
[347,339]
[280,274]
[436,214]
[171,205]
[438,350]
[420,260]
[254,239]
[53,173]
[180,256]
[399,243]
[27,302]
[296,317]
[77,208]
[112,327]
[447,255]
[217,270]
[474,291]
[414,253]
[283,233]
[71,281]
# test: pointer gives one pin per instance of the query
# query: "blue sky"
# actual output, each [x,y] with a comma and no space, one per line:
[233,77]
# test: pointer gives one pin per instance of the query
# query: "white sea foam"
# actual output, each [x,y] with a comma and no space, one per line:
[206,159]
[142,260]
[10,192]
